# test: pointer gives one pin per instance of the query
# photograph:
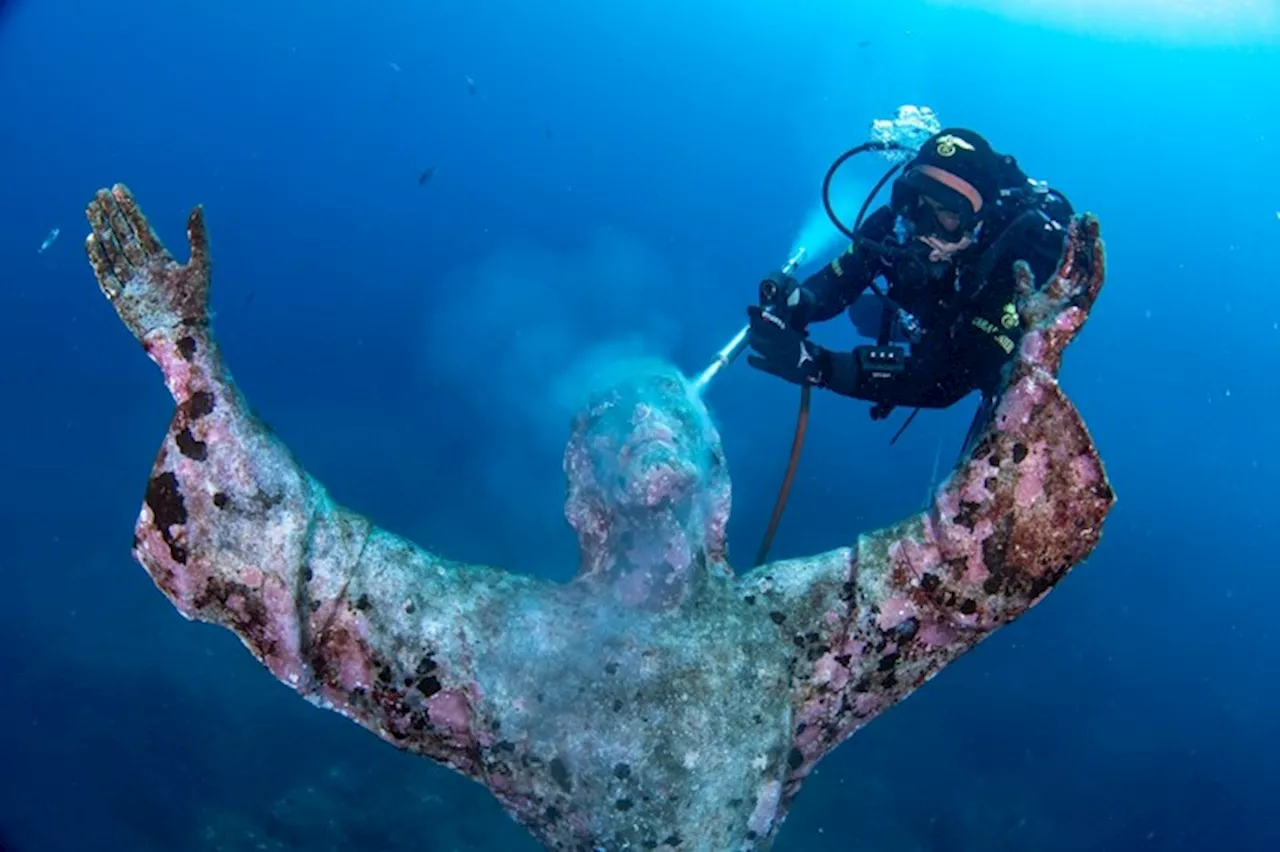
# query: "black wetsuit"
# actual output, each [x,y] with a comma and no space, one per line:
[964,306]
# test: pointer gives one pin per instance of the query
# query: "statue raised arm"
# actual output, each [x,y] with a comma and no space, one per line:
[235,532]
[873,622]
[654,702]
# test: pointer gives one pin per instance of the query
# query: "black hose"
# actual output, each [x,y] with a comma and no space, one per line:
[852,234]
[831,173]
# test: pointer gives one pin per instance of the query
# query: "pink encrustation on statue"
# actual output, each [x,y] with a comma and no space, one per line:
[656,701]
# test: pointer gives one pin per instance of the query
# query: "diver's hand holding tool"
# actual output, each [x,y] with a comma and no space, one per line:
[783,351]
[782,295]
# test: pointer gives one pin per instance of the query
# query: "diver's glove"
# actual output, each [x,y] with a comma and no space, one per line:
[783,351]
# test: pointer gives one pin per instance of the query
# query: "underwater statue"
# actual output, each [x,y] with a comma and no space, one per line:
[657,701]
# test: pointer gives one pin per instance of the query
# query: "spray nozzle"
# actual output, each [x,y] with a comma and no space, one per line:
[794,261]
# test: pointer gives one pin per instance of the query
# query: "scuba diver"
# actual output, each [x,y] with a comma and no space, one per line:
[945,324]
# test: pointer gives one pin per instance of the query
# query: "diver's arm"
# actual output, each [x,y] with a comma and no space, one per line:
[934,377]
[234,532]
[827,292]
[876,621]
[934,381]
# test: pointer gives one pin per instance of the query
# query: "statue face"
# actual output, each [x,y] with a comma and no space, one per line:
[646,444]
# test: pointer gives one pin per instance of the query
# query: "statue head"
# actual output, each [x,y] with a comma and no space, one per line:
[648,485]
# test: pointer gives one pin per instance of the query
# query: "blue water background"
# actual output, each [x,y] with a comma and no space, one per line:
[618,182]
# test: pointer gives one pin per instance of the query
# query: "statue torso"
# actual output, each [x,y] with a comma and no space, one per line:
[612,728]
